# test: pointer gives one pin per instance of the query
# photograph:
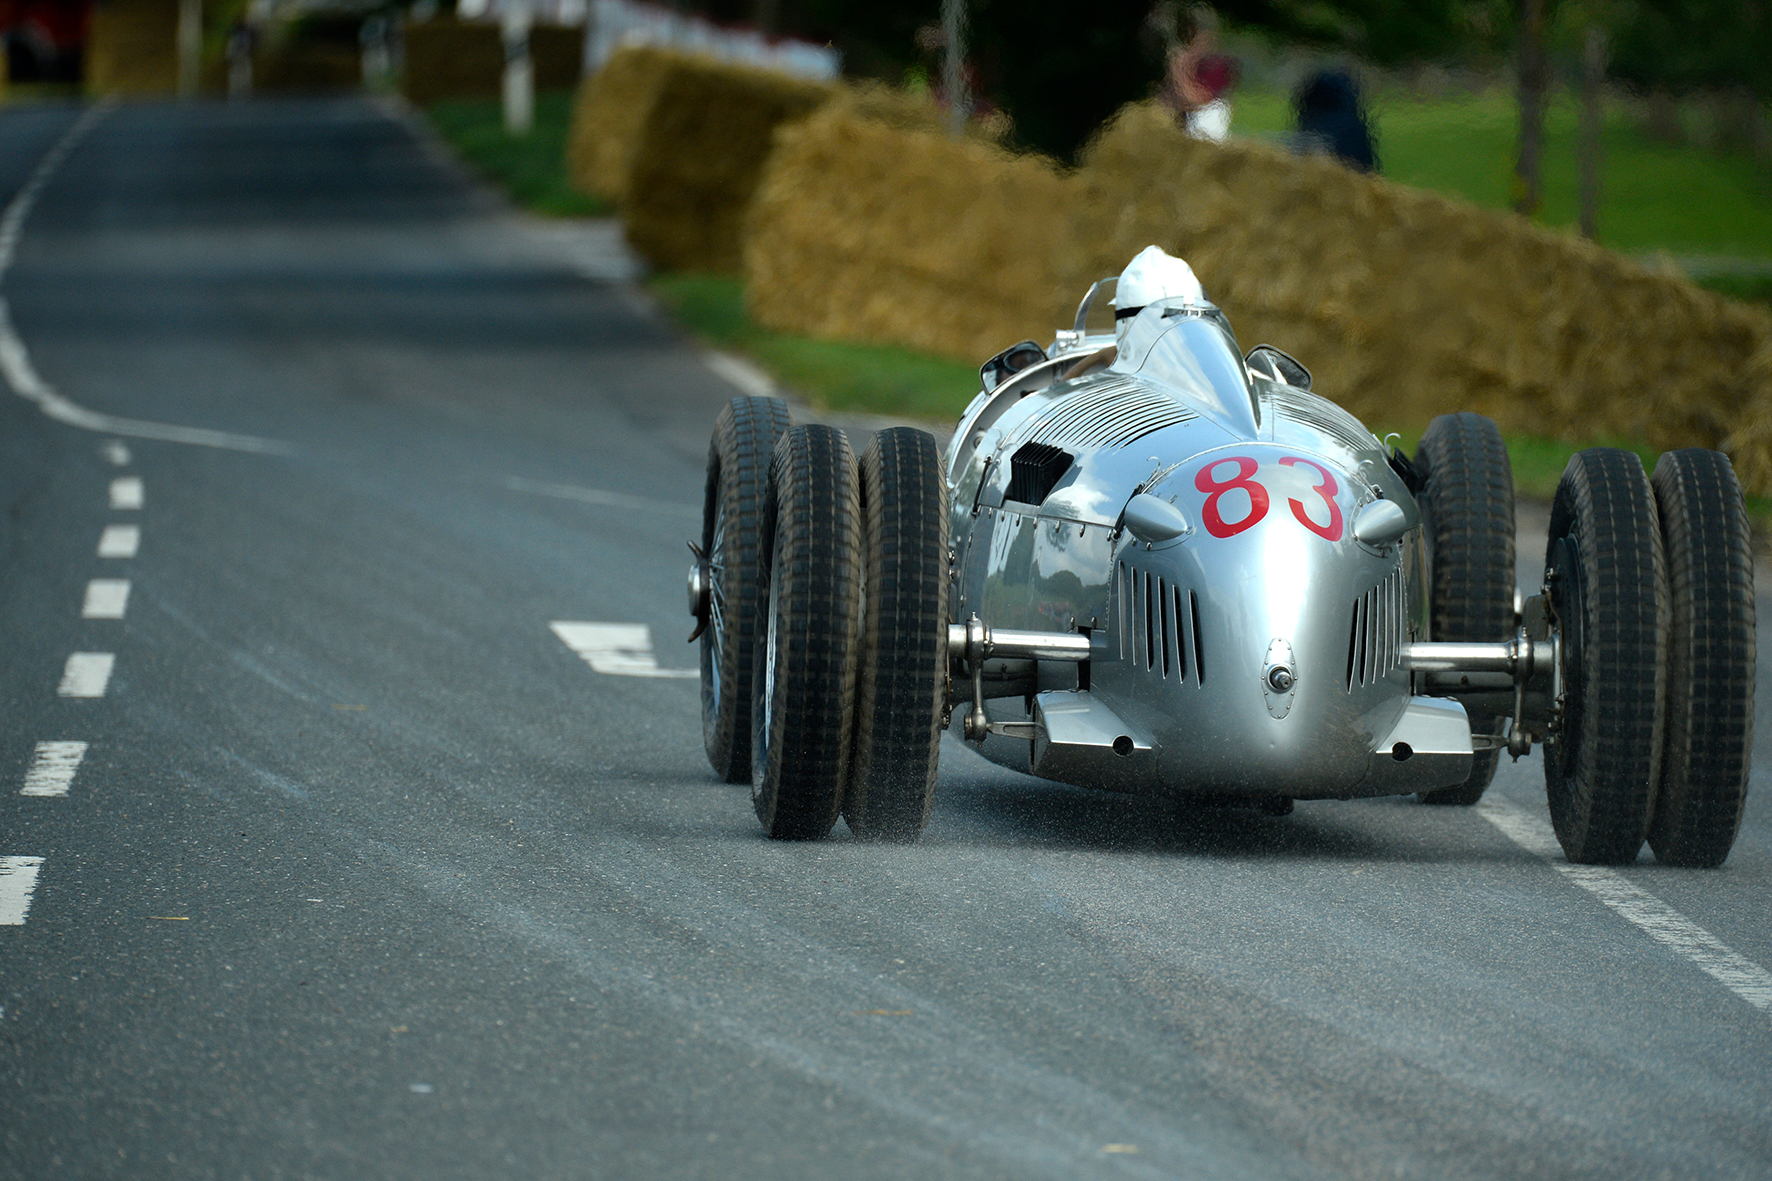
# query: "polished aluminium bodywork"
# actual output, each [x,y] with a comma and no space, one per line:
[1234,566]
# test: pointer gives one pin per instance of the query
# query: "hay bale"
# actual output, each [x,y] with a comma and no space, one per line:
[132,48]
[707,135]
[1408,304]
[870,232]
[609,114]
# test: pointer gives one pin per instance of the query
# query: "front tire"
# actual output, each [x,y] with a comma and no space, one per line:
[1604,562]
[904,661]
[1708,743]
[802,698]
[731,520]
[1468,515]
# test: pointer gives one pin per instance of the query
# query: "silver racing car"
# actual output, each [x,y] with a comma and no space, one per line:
[1149,562]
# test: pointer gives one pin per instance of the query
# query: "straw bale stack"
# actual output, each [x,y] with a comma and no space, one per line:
[1404,303]
[866,231]
[1409,305]
[448,58]
[703,147]
[609,114]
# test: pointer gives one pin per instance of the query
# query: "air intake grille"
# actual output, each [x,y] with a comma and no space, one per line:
[1377,632]
[1110,414]
[1159,625]
[1323,415]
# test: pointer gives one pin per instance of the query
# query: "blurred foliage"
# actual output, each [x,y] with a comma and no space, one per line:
[532,167]
[1693,44]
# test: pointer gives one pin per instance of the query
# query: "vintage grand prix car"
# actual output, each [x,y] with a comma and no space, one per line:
[1151,563]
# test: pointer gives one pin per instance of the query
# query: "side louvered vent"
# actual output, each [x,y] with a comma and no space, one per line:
[1159,625]
[1323,415]
[1033,470]
[1110,414]
[1377,632]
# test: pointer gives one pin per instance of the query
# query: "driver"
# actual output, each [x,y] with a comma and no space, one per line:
[1153,274]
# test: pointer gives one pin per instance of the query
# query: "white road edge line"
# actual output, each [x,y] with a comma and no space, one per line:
[639,504]
[15,360]
[742,374]
[126,492]
[18,881]
[119,541]
[106,598]
[87,674]
[616,649]
[1654,917]
[52,768]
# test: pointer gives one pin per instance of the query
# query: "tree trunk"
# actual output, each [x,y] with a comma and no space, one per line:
[953,64]
[1533,82]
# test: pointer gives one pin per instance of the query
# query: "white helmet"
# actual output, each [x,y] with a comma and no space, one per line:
[1154,274]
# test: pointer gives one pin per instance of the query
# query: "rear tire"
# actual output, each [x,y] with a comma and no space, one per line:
[902,687]
[732,507]
[1707,745]
[802,698]
[1468,509]
[1609,594]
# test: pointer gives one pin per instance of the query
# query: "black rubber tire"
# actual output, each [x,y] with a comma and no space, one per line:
[731,516]
[1467,505]
[903,682]
[1707,742]
[1608,584]
[803,694]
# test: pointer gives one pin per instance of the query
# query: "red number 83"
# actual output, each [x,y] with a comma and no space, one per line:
[1206,482]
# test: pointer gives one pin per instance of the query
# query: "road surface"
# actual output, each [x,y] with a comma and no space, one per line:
[326,857]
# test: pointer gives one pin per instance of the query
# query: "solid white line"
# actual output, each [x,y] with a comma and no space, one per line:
[741,373]
[119,541]
[616,649]
[15,360]
[116,453]
[639,504]
[1654,917]
[106,598]
[126,492]
[86,674]
[52,768]
[18,881]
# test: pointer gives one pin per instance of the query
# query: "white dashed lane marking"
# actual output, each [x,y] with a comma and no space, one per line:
[52,768]
[126,492]
[106,598]
[86,674]
[616,649]
[119,541]
[116,453]
[18,881]
[1650,914]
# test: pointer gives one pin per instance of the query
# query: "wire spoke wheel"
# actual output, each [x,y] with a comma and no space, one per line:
[738,474]
[804,685]
[1468,517]
[1604,564]
[1708,744]
[903,682]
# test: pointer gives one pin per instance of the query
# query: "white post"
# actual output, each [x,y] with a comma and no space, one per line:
[953,62]
[190,47]
[519,71]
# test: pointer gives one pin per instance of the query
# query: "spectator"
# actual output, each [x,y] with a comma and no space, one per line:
[1332,120]
[1197,77]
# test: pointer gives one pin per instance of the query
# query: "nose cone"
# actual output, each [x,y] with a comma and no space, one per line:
[1261,662]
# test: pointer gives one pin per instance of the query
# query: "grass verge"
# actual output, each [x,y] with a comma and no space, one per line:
[879,379]
[530,167]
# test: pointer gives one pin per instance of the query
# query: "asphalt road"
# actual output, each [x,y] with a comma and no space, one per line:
[364,873]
